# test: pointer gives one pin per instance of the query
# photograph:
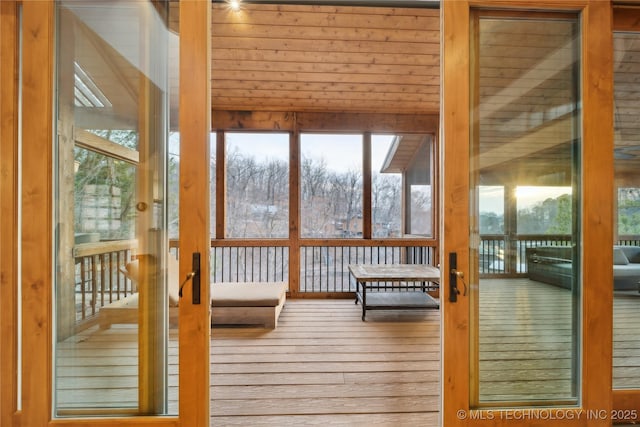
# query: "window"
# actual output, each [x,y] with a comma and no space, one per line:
[420,208]
[257,197]
[386,189]
[331,185]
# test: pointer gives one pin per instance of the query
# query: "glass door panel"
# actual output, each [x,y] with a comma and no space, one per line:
[626,251]
[526,141]
[116,282]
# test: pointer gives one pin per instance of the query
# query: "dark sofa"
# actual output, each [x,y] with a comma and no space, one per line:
[553,265]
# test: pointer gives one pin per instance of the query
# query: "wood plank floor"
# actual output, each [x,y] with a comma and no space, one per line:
[324,366]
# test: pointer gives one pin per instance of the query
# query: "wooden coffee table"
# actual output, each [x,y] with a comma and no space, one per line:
[399,286]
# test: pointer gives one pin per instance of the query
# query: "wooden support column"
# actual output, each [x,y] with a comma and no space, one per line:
[294,211]
[221,185]
[366,186]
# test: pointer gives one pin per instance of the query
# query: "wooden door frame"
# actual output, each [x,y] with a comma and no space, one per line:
[195,129]
[38,47]
[8,211]
[596,221]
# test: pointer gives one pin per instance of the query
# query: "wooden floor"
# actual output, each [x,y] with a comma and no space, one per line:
[324,366]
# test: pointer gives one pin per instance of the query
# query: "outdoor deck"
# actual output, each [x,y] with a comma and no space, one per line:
[324,366]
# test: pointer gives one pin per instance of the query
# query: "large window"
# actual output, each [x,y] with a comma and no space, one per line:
[257,196]
[350,185]
[419,178]
[331,185]
[386,189]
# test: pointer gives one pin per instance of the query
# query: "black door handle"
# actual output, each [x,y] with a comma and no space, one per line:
[194,276]
[453,277]
[195,267]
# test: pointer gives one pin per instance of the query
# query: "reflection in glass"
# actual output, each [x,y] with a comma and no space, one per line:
[114,275]
[626,252]
[526,147]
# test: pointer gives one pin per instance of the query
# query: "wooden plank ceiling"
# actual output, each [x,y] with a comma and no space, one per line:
[325,58]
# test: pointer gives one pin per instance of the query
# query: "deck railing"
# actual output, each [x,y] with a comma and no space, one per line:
[325,268]
[250,264]
[99,275]
[322,266]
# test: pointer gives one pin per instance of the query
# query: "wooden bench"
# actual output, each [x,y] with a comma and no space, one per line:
[232,303]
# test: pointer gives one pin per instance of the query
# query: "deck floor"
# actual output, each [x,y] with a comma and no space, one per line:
[324,366]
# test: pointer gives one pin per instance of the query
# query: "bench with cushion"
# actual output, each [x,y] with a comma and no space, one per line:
[248,303]
[232,303]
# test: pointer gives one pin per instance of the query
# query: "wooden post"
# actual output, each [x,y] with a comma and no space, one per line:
[294,211]
[367,229]
[221,185]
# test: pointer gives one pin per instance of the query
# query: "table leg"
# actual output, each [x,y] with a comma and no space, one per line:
[364,300]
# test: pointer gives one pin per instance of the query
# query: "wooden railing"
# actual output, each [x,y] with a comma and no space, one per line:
[100,278]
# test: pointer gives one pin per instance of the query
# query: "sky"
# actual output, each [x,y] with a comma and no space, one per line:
[341,152]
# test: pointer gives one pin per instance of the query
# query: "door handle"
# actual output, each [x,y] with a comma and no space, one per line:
[453,277]
[454,274]
[194,276]
[195,289]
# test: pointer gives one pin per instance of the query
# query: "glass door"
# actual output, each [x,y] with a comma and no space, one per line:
[113,269]
[625,283]
[522,209]
[105,328]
